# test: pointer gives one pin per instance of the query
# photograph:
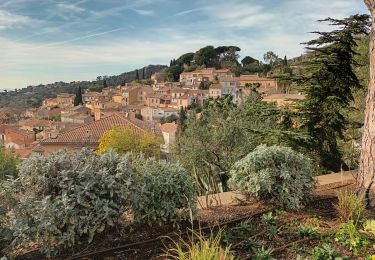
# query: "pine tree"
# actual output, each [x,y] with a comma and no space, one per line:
[171,63]
[105,84]
[329,86]
[78,97]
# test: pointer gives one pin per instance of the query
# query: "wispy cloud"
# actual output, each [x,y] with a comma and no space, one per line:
[144,12]
[76,39]
[63,7]
[187,11]
[11,20]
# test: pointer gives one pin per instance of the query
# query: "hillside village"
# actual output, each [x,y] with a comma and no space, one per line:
[211,157]
[58,124]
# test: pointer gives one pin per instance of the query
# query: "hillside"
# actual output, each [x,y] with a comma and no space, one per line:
[32,96]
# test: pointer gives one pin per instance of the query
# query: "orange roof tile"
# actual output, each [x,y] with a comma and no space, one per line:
[92,132]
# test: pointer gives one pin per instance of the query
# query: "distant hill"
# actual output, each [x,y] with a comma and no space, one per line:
[32,96]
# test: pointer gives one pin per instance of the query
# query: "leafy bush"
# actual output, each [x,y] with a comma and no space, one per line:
[350,207]
[305,231]
[200,247]
[349,237]
[326,252]
[164,191]
[68,196]
[65,198]
[275,173]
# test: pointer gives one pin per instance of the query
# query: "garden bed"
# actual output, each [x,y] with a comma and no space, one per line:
[295,233]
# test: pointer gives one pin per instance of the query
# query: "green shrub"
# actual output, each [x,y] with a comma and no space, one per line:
[350,207]
[70,196]
[326,252]
[275,173]
[200,247]
[349,237]
[164,192]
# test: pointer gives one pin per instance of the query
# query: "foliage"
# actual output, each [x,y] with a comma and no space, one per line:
[262,253]
[174,73]
[164,191]
[8,164]
[248,60]
[271,58]
[305,231]
[350,207]
[96,88]
[250,245]
[349,237]
[199,247]
[329,82]
[125,140]
[369,226]
[244,229]
[68,196]
[78,97]
[186,58]
[326,252]
[270,224]
[275,173]
[224,133]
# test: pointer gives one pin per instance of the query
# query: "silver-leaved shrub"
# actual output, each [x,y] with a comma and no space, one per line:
[68,198]
[274,173]
[164,193]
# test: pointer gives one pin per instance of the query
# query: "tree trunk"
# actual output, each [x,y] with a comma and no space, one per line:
[366,174]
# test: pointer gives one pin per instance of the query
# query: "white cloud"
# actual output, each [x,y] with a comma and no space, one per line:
[11,20]
[144,12]
[68,8]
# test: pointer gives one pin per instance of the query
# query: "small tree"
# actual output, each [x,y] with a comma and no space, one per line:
[125,140]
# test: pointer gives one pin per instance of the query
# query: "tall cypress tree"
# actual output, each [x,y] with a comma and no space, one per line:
[136,75]
[143,73]
[329,82]
[78,97]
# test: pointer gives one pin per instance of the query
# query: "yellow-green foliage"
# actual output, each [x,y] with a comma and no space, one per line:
[369,226]
[350,207]
[198,247]
[125,140]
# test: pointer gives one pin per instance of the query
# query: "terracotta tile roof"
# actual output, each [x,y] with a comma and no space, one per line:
[92,132]
[168,127]
[21,153]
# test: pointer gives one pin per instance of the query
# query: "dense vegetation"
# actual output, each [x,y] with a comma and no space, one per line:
[64,199]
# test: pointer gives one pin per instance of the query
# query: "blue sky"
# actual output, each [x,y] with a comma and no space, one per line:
[43,41]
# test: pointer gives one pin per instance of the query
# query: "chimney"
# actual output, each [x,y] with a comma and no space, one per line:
[131,115]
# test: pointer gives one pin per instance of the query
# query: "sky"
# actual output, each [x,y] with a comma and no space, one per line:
[44,41]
